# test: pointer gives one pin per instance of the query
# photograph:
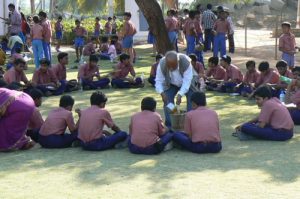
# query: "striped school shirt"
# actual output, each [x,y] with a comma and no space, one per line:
[208,19]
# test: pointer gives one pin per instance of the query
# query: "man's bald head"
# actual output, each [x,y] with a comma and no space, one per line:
[172,60]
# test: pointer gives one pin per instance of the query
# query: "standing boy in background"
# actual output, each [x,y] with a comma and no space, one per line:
[287,44]
[80,33]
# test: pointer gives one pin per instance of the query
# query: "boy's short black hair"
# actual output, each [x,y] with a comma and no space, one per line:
[61,55]
[93,58]
[109,18]
[77,21]
[214,60]
[287,24]
[296,69]
[98,98]
[186,11]
[18,50]
[97,18]
[199,98]
[45,61]
[115,37]
[36,94]
[148,104]
[158,57]
[36,19]
[11,5]
[193,57]
[263,66]
[59,17]
[172,12]
[281,64]
[226,59]
[192,14]
[127,14]
[43,14]
[104,39]
[19,61]
[2,83]
[250,63]
[209,6]
[66,100]
[263,91]
[124,56]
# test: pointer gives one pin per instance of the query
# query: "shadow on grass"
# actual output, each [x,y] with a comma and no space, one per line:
[280,160]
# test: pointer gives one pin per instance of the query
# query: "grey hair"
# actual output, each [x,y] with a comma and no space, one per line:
[171,55]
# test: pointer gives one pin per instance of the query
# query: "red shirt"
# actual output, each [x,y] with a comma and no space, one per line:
[217,73]
[123,70]
[145,128]
[252,77]
[12,75]
[59,71]
[203,125]
[91,123]
[40,78]
[85,70]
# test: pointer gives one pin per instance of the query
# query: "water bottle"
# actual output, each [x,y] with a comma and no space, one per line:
[282,96]
[285,79]
[80,85]
[202,85]
[111,56]
[142,77]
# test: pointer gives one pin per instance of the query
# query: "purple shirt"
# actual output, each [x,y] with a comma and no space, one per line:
[15,22]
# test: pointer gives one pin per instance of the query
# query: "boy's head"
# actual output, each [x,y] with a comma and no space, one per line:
[148,104]
[77,22]
[109,19]
[127,15]
[198,99]
[42,15]
[37,96]
[286,27]
[192,14]
[19,64]
[222,14]
[104,39]
[44,64]
[263,66]
[59,18]
[18,50]
[250,65]
[225,61]
[114,17]
[124,58]
[193,59]
[172,12]
[93,60]
[158,57]
[98,99]
[262,94]
[63,58]
[186,11]
[66,102]
[36,19]
[213,62]
[281,67]
[209,6]
[296,72]
[11,7]
[97,19]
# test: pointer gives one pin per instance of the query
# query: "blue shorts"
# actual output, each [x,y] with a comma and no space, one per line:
[127,42]
[290,59]
[96,33]
[79,42]
[151,38]
[172,36]
[59,35]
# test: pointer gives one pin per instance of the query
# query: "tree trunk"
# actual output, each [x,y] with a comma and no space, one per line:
[32,6]
[153,14]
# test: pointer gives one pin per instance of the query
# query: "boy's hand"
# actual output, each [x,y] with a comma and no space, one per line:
[78,111]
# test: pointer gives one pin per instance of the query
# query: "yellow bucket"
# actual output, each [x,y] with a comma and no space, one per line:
[177,121]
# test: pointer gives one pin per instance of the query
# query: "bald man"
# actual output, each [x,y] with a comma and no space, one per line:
[174,77]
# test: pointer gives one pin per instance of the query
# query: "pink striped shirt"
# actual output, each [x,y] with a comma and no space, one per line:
[91,123]
[40,78]
[145,128]
[12,75]
[57,122]
[203,125]
[85,70]
[217,73]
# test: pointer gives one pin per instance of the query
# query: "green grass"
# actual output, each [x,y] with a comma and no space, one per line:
[253,169]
